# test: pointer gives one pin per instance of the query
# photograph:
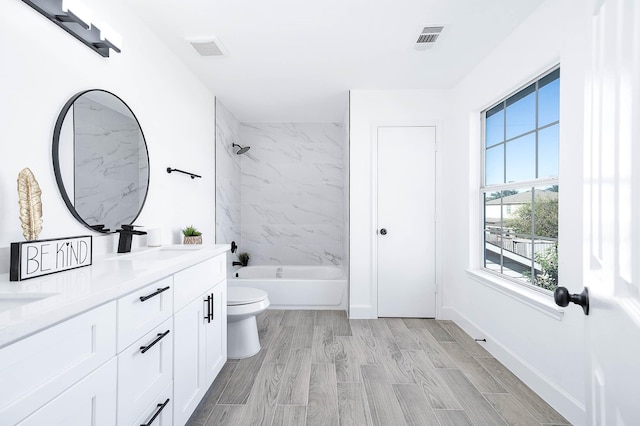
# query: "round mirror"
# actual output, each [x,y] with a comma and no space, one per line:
[100,160]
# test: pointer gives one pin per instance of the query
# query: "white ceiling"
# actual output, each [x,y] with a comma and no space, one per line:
[296,60]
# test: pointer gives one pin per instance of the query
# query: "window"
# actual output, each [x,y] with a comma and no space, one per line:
[520,184]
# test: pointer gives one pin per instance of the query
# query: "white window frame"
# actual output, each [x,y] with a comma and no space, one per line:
[487,189]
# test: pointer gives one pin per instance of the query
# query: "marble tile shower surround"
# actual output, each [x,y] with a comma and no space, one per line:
[293,193]
[118,172]
[227,178]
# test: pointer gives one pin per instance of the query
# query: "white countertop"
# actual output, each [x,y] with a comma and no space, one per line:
[78,290]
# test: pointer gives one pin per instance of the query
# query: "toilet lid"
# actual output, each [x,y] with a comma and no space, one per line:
[244,295]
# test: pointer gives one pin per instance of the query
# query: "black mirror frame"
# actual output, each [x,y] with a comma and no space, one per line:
[56,159]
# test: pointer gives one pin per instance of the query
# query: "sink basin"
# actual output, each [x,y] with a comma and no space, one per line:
[154,255]
[10,301]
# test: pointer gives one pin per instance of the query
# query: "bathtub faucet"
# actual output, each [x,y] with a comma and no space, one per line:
[236,263]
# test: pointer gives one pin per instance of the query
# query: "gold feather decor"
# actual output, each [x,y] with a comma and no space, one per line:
[30,204]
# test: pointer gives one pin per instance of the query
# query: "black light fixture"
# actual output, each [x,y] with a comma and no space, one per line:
[73,17]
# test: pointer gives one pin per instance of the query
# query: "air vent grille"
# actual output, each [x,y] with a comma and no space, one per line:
[208,48]
[428,37]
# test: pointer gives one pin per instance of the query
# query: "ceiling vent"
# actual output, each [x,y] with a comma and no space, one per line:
[210,47]
[428,37]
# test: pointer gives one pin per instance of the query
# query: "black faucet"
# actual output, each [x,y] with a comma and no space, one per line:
[126,236]
[236,264]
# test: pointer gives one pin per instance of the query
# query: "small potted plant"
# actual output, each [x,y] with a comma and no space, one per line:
[244,258]
[192,235]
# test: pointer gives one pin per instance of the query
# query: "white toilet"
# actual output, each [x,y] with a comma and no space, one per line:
[243,304]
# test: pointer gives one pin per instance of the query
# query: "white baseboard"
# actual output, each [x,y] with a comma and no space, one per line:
[362,312]
[287,307]
[572,409]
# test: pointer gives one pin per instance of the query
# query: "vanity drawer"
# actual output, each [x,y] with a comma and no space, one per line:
[142,310]
[91,401]
[160,412]
[192,282]
[40,367]
[144,369]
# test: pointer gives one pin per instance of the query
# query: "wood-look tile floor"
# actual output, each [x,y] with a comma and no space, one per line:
[320,368]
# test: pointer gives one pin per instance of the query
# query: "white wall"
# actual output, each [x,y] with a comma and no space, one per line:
[292,193]
[370,109]
[43,66]
[547,353]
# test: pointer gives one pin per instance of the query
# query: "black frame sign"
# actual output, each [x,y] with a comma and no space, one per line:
[30,259]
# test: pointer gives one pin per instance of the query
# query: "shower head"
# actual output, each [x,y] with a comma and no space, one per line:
[241,150]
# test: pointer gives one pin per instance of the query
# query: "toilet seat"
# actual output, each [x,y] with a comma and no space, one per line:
[244,296]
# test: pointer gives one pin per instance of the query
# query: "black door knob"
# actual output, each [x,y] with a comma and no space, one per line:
[562,298]
[383,231]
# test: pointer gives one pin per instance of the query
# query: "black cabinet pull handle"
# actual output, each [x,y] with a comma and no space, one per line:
[160,290]
[143,349]
[383,231]
[208,316]
[157,413]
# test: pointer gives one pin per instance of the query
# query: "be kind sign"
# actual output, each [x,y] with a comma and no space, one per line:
[30,259]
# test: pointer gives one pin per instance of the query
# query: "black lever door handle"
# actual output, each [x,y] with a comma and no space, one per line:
[562,298]
[383,231]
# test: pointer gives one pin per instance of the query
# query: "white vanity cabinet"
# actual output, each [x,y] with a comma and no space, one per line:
[200,340]
[141,357]
[39,372]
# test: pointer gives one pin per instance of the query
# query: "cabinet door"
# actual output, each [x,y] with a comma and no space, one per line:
[216,333]
[91,401]
[144,370]
[189,382]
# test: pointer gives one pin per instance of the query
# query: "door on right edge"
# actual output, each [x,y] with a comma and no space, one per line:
[406,222]
[612,213]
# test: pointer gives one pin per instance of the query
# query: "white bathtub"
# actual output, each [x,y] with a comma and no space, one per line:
[296,287]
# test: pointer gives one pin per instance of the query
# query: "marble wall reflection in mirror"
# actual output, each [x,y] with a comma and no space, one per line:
[100,160]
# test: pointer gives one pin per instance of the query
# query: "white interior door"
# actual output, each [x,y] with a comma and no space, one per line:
[612,209]
[406,222]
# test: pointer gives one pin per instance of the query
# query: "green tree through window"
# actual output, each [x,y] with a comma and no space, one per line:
[545,218]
